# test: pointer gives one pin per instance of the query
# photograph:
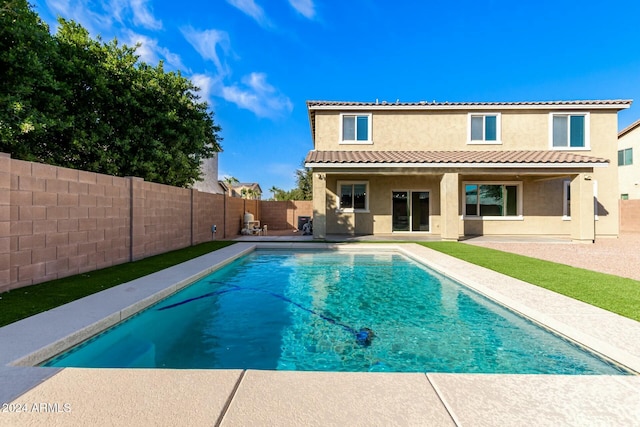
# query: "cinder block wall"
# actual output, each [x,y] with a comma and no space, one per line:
[57,222]
[630,216]
[208,211]
[63,222]
[284,215]
[235,208]
[167,218]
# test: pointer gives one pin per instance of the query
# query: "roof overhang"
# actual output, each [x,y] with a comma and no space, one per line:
[616,104]
[485,159]
[457,165]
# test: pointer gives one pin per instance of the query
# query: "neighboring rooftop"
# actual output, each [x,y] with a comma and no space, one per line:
[629,128]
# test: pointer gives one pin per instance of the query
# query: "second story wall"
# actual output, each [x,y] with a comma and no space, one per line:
[408,130]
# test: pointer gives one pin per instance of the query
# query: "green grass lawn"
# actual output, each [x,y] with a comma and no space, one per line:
[612,293]
[24,302]
[609,292]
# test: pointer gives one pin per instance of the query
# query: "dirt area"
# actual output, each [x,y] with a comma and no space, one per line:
[619,256]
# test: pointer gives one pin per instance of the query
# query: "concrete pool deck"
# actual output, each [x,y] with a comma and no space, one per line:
[72,396]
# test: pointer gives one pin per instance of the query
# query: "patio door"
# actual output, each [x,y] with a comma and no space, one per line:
[410,211]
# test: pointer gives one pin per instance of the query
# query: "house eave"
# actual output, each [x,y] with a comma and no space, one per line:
[603,105]
[580,165]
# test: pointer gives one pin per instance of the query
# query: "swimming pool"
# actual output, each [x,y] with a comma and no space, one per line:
[313,310]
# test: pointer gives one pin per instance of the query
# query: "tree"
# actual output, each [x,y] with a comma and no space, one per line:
[28,86]
[304,180]
[76,102]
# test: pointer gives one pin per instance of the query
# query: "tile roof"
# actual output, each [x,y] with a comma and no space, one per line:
[440,158]
[624,103]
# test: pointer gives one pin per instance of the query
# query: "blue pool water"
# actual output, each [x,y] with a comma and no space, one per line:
[332,311]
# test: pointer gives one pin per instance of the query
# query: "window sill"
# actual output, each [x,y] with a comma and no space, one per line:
[369,142]
[570,148]
[493,218]
[566,218]
[484,142]
[345,211]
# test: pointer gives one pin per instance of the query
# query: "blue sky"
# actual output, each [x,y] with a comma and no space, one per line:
[258,61]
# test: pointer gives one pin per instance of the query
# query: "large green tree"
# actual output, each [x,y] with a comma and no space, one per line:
[27,83]
[74,101]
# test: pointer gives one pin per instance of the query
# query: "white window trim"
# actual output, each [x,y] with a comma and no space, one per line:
[566,186]
[624,157]
[587,131]
[498,140]
[351,210]
[518,217]
[595,201]
[369,129]
[411,212]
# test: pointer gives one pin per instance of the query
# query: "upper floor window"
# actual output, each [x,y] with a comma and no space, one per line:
[569,131]
[356,128]
[484,128]
[625,157]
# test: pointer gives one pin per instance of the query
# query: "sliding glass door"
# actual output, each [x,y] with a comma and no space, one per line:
[410,211]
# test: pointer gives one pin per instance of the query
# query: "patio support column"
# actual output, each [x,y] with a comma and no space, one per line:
[319,205]
[582,209]
[449,213]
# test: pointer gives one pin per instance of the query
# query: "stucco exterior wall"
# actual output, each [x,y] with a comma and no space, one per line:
[542,206]
[447,130]
[629,175]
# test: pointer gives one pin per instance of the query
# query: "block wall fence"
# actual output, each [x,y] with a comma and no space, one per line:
[57,222]
[630,216]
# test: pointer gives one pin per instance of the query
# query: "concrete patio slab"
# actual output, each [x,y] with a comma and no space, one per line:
[328,398]
[539,400]
[15,380]
[126,397]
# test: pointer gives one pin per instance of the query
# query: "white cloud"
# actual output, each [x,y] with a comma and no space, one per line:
[150,52]
[252,9]
[143,17]
[305,7]
[206,84]
[206,43]
[97,17]
[257,96]
[80,12]
[117,7]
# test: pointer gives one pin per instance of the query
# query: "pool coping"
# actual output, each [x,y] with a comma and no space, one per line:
[33,340]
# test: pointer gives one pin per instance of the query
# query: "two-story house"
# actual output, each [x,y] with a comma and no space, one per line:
[628,169]
[464,169]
